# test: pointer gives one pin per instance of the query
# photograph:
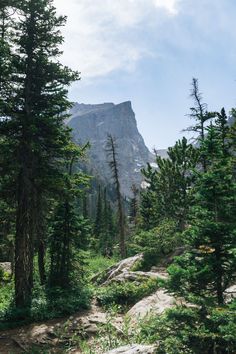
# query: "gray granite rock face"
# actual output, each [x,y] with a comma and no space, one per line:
[93,122]
[134,349]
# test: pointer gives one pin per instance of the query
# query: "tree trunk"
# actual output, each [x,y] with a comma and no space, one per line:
[219,272]
[24,243]
[41,256]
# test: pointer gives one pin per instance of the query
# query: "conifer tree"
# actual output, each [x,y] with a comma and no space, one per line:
[33,127]
[65,240]
[111,148]
[202,274]
[108,232]
[98,226]
[201,115]
[134,204]
[167,195]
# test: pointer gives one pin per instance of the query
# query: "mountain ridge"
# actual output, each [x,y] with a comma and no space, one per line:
[92,122]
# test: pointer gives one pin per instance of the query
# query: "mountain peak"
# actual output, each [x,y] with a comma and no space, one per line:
[93,122]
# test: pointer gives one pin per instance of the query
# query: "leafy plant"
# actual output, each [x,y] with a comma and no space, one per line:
[127,293]
[155,244]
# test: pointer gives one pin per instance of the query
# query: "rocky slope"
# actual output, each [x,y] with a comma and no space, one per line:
[93,122]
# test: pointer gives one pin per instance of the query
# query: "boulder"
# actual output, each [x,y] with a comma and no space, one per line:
[134,349]
[230,294]
[6,267]
[154,304]
[137,277]
[125,265]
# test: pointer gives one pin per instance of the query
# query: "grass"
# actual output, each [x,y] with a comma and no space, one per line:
[97,263]
[6,296]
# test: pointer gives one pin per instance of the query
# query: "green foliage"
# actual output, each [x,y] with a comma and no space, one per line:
[68,229]
[6,297]
[156,243]
[127,293]
[65,302]
[46,304]
[167,195]
[190,330]
[96,263]
[113,161]
[208,269]
[104,225]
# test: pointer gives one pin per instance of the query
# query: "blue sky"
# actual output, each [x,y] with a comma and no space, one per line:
[147,51]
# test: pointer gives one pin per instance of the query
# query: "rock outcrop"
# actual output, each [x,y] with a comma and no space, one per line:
[93,122]
[134,349]
[230,293]
[117,269]
[154,304]
[6,267]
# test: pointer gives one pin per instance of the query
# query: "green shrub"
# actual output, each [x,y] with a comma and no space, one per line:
[96,263]
[127,293]
[6,296]
[46,304]
[155,244]
[192,330]
[65,302]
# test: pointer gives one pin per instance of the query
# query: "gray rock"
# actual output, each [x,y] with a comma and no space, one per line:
[134,349]
[6,267]
[137,277]
[155,304]
[230,293]
[93,122]
[123,266]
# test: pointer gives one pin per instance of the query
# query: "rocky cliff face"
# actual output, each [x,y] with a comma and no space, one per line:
[93,122]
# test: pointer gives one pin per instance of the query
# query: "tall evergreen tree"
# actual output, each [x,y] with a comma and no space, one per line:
[65,240]
[134,204]
[98,225]
[108,233]
[111,148]
[33,127]
[207,270]
[201,115]
[167,195]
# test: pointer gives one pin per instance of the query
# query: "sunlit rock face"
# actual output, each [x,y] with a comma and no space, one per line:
[93,122]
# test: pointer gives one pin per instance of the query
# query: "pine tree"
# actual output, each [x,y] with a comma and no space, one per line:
[207,270]
[108,231]
[66,237]
[134,204]
[98,225]
[33,127]
[201,115]
[111,148]
[167,195]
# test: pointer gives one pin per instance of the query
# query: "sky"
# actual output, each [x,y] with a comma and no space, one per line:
[147,52]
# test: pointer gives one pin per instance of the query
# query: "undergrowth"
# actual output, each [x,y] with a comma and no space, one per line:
[126,294]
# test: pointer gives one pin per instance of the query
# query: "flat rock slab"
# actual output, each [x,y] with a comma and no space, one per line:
[6,267]
[230,294]
[134,349]
[155,304]
[136,276]
[125,265]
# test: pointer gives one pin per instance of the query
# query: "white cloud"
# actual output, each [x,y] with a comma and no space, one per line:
[101,35]
[169,5]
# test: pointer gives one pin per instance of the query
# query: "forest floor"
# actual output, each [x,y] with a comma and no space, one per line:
[96,330]
[57,335]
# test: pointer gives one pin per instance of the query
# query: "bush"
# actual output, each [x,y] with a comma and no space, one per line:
[127,293]
[6,296]
[66,302]
[155,244]
[192,330]
[46,304]
[96,263]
